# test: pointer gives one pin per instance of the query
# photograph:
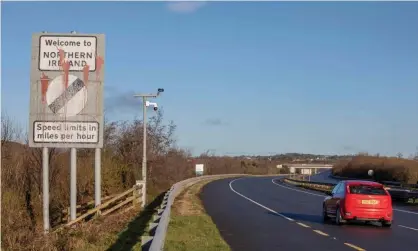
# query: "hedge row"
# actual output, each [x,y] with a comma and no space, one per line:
[385,169]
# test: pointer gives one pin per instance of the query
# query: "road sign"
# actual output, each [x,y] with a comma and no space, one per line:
[199,169]
[66,132]
[66,103]
[79,51]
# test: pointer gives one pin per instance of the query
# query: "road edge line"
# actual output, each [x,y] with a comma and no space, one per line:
[256,203]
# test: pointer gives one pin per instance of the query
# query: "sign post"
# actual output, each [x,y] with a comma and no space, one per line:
[97,178]
[66,102]
[45,187]
[73,184]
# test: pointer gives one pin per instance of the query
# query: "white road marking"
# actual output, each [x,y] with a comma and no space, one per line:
[354,246]
[303,225]
[255,202]
[300,191]
[321,233]
[281,215]
[297,190]
[405,211]
[408,227]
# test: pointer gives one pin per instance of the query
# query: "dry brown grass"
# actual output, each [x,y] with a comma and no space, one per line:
[121,161]
[121,165]
[385,168]
[187,202]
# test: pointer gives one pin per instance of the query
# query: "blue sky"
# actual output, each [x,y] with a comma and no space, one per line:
[244,78]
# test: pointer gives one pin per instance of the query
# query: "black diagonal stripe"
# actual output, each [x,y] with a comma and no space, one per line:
[70,92]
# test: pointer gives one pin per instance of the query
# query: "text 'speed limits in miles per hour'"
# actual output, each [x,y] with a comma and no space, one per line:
[66,132]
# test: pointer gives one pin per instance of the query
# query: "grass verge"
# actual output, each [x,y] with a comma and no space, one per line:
[190,228]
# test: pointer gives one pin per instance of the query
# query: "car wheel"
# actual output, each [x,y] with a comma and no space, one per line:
[338,219]
[324,214]
[387,224]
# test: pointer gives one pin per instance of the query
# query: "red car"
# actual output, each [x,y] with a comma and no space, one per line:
[358,200]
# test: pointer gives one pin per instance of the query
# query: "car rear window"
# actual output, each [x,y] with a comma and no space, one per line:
[366,189]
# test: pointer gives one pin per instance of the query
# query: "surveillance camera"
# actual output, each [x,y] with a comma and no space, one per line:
[154,105]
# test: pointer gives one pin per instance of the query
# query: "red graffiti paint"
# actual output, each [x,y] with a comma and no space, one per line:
[86,70]
[99,64]
[65,66]
[66,69]
[44,86]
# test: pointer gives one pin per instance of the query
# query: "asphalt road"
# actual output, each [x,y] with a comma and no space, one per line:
[261,213]
[324,177]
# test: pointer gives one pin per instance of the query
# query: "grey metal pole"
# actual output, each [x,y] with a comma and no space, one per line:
[144,154]
[45,188]
[97,177]
[73,184]
[144,157]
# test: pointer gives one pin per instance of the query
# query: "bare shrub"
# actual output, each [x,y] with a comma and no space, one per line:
[385,168]
[121,167]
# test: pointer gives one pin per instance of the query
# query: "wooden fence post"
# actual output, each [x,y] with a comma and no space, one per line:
[137,201]
[141,187]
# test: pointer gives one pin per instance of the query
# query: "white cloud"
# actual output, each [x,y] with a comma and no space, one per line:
[185,7]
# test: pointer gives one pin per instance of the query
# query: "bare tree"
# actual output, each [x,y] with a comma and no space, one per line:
[415,157]
[10,130]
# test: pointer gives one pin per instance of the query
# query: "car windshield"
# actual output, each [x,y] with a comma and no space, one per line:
[366,189]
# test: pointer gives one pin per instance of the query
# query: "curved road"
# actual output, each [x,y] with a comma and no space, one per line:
[324,177]
[262,213]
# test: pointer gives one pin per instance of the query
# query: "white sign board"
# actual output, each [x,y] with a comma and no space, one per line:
[66,90]
[79,51]
[306,171]
[199,168]
[66,132]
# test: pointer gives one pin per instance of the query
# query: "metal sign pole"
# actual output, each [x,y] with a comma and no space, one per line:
[45,187]
[70,117]
[144,157]
[73,182]
[97,177]
[145,103]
